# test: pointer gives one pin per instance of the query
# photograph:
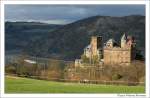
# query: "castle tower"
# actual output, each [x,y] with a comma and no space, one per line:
[96,44]
[123,41]
[131,44]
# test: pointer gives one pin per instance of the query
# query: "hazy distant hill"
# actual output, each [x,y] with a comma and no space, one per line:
[19,34]
[68,41]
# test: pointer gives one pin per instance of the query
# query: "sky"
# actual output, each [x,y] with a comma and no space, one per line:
[64,14]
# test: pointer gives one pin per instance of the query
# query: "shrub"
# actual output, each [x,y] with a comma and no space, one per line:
[10,69]
[116,76]
[95,59]
[85,59]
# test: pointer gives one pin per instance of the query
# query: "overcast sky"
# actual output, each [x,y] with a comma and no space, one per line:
[63,14]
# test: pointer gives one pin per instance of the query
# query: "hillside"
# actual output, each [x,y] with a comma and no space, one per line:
[19,34]
[68,41]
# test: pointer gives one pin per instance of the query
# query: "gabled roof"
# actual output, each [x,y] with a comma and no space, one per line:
[88,47]
[111,41]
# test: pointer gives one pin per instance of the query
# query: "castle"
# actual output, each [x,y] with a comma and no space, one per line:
[111,53]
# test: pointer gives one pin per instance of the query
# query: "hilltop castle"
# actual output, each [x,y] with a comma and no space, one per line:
[111,53]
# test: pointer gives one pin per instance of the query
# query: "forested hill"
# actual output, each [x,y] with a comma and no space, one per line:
[68,41]
[19,34]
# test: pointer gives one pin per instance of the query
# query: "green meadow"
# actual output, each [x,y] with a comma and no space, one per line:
[25,85]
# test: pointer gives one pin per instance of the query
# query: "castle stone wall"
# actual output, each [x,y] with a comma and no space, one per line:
[117,56]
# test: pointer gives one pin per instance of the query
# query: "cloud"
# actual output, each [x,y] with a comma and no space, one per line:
[54,21]
[67,13]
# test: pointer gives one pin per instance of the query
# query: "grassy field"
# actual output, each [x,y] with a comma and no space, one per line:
[25,85]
